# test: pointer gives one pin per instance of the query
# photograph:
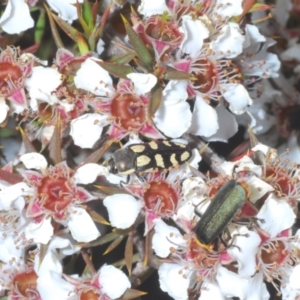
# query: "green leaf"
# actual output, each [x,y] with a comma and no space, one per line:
[98,31]
[173,74]
[42,253]
[138,45]
[121,263]
[118,70]
[97,217]
[10,177]
[123,59]
[96,155]
[114,244]
[87,14]
[155,99]
[82,45]
[111,190]
[82,22]
[95,8]
[67,28]
[55,34]
[132,294]
[26,142]
[129,252]
[40,27]
[260,7]
[115,234]
[7,132]
[55,143]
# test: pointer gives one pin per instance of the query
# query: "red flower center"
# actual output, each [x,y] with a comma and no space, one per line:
[26,282]
[207,78]
[281,182]
[276,254]
[10,74]
[200,255]
[129,111]
[161,197]
[89,295]
[55,192]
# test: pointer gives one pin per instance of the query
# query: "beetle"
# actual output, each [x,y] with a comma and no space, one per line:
[223,208]
[149,157]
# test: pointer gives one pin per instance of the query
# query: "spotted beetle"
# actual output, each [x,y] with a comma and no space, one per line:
[223,208]
[148,157]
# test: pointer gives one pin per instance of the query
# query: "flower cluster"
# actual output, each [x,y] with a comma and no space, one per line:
[112,125]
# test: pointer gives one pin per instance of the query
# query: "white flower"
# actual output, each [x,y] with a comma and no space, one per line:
[143,83]
[34,161]
[86,233]
[227,9]
[75,216]
[149,8]
[51,286]
[87,129]
[293,153]
[195,32]
[173,107]
[15,11]
[237,104]
[165,238]
[93,78]
[204,119]
[233,285]
[56,250]
[123,210]
[3,109]
[247,243]
[255,59]
[278,216]
[39,232]
[228,125]
[113,281]
[88,173]
[174,280]
[66,9]
[42,82]
[229,41]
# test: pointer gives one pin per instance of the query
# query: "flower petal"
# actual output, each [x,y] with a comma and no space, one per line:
[149,8]
[174,280]
[165,238]
[122,209]
[204,120]
[65,9]
[143,83]
[113,281]
[245,250]
[195,32]
[229,42]
[39,232]
[89,172]
[277,216]
[167,116]
[228,126]
[34,160]
[3,109]
[89,123]
[51,286]
[237,104]
[93,78]
[15,11]
[86,233]
[11,193]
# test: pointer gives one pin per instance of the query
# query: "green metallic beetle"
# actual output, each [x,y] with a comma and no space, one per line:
[223,208]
